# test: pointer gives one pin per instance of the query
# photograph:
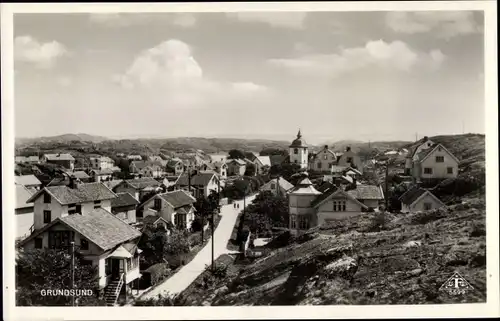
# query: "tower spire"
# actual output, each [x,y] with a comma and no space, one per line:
[299,135]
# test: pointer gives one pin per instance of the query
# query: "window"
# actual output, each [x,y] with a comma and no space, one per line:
[293,221]
[78,209]
[59,239]
[46,198]
[273,186]
[325,157]
[295,151]
[319,165]
[157,204]
[303,222]
[349,159]
[84,245]
[180,220]
[46,217]
[97,202]
[295,161]
[38,243]
[427,206]
[450,170]
[427,170]
[97,206]
[339,206]
[439,159]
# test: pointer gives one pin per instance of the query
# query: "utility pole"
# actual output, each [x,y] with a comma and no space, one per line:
[72,271]
[213,225]
[386,185]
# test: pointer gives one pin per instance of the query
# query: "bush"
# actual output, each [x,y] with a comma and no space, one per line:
[158,272]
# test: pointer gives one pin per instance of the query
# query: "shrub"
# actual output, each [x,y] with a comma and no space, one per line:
[158,272]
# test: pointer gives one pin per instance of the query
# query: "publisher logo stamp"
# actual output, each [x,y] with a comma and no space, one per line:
[456,285]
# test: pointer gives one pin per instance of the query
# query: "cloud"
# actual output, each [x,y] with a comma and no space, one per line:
[43,55]
[185,20]
[444,24]
[396,55]
[292,20]
[170,71]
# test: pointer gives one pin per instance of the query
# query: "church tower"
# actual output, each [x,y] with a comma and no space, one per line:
[299,153]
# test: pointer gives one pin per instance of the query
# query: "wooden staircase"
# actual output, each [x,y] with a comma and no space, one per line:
[112,291]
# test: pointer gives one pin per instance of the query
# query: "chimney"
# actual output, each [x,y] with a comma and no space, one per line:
[73,182]
[326,146]
[425,139]
[348,148]
[354,182]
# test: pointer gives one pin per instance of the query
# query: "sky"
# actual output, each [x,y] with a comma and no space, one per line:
[335,75]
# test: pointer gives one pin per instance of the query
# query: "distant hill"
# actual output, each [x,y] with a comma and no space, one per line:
[357,146]
[62,139]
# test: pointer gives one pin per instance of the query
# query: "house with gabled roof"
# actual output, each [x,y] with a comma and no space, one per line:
[424,144]
[27,160]
[175,166]
[99,162]
[277,186]
[28,181]
[435,162]
[203,183]
[236,167]
[65,160]
[52,202]
[101,175]
[146,169]
[350,159]
[104,241]
[156,222]
[419,199]
[323,160]
[154,158]
[262,162]
[124,207]
[310,207]
[176,207]
[138,187]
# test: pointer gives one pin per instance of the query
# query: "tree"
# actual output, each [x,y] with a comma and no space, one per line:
[44,269]
[250,170]
[236,154]
[273,151]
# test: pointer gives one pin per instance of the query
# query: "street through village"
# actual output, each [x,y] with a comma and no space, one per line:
[188,273]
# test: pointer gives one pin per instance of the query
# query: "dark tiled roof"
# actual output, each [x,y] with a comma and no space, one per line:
[123,199]
[366,192]
[277,159]
[178,198]
[112,183]
[27,180]
[80,175]
[200,179]
[411,195]
[59,157]
[105,171]
[141,183]
[83,193]
[101,228]
[426,152]
[327,190]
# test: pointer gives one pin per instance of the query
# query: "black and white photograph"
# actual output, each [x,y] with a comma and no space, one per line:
[206,156]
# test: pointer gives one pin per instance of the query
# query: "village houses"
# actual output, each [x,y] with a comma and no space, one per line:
[124,206]
[138,187]
[350,159]
[65,160]
[278,186]
[175,166]
[309,207]
[100,175]
[23,211]
[29,181]
[175,207]
[101,162]
[27,160]
[323,160]
[419,199]
[236,167]
[430,161]
[146,169]
[202,183]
